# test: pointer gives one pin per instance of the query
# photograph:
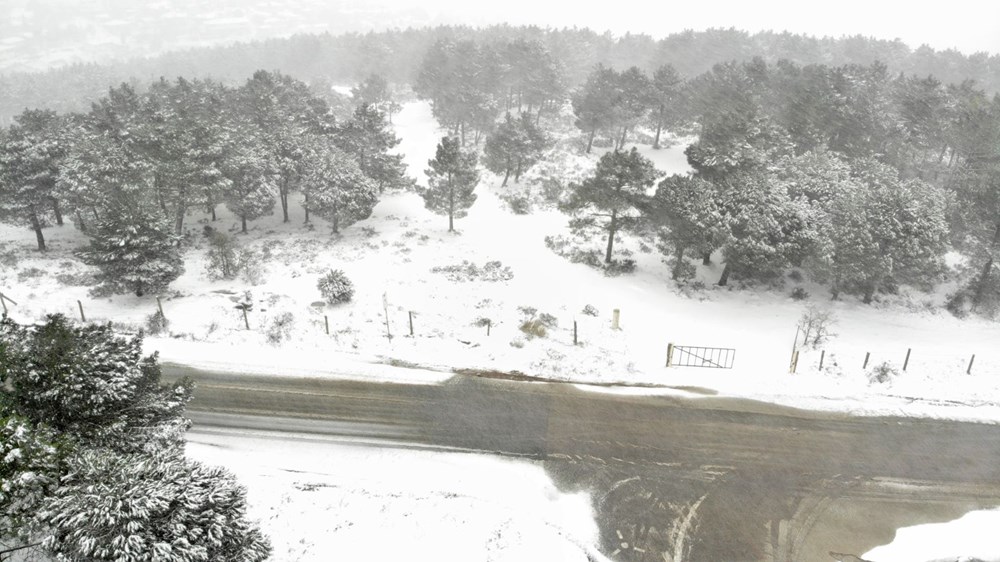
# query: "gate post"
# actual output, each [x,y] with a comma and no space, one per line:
[670,354]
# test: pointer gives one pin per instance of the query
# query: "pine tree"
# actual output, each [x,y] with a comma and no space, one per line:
[252,188]
[882,232]
[141,507]
[369,139]
[616,189]
[134,251]
[452,179]
[91,384]
[687,213]
[594,104]
[376,92]
[515,146]
[31,462]
[337,190]
[666,95]
[29,165]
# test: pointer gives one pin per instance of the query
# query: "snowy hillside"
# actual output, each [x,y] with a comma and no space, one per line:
[392,257]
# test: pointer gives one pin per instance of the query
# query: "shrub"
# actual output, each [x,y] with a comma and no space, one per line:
[223,255]
[335,287]
[30,273]
[534,328]
[250,265]
[590,310]
[156,323]
[519,204]
[800,294]
[882,373]
[491,271]
[815,325]
[618,267]
[280,328]
[795,275]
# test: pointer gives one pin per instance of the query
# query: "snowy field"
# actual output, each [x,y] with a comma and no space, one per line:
[390,258]
[319,500]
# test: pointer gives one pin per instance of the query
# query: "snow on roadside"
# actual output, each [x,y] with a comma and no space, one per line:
[971,538]
[317,497]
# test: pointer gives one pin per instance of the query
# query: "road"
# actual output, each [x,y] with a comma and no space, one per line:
[710,479]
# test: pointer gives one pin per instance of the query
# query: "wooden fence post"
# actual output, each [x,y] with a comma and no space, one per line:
[411,323]
[326,321]
[246,321]
[971,361]
[574,332]
[795,362]
[907,360]
[489,324]
[867,355]
[670,354]
[3,301]
[822,356]
[82,317]
[615,318]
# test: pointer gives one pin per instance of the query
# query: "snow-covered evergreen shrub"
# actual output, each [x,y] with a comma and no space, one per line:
[468,271]
[618,267]
[280,328]
[138,507]
[30,465]
[251,266]
[335,287]
[882,373]
[156,323]
[799,294]
[222,256]
[590,310]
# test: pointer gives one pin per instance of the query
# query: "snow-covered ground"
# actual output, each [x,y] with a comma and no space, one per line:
[390,258]
[971,538]
[320,500]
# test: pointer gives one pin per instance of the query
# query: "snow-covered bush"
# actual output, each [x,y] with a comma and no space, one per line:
[590,310]
[467,271]
[222,258]
[882,373]
[799,294]
[156,323]
[535,324]
[335,287]
[280,328]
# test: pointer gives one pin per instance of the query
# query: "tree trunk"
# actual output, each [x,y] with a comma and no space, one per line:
[57,211]
[675,272]
[305,205]
[506,176]
[36,225]
[659,127]
[611,235]
[590,141]
[724,279]
[869,293]
[283,195]
[79,221]
[517,172]
[538,116]
[621,143]
[706,258]
[451,207]
[179,220]
[243,221]
[97,217]
[213,213]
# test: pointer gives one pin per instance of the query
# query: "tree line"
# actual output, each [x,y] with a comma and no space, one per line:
[862,178]
[397,55]
[128,171]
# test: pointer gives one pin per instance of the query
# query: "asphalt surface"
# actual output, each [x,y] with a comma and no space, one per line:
[709,479]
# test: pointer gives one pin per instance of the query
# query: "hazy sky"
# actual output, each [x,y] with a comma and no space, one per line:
[968,25]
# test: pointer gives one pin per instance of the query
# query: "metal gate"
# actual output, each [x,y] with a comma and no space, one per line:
[693,356]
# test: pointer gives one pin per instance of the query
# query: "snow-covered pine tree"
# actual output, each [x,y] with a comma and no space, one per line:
[336,189]
[252,187]
[134,250]
[514,146]
[91,384]
[686,212]
[376,92]
[594,103]
[883,231]
[369,139]
[31,462]
[452,179]
[666,95]
[615,190]
[29,165]
[142,507]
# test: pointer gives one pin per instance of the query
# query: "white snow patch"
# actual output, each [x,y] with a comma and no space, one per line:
[971,538]
[319,499]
